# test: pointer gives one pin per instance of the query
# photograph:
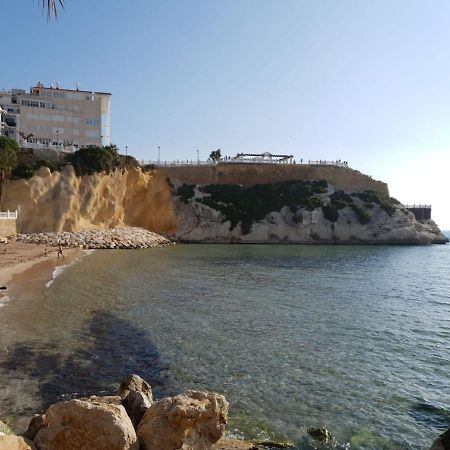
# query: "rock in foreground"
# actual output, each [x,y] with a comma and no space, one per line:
[11,442]
[93,424]
[192,421]
[114,238]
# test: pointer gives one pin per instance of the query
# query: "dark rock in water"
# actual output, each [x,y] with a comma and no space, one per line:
[442,442]
[430,415]
[321,434]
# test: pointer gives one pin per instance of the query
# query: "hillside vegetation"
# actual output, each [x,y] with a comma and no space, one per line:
[248,205]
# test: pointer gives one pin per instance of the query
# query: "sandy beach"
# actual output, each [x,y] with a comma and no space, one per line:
[17,257]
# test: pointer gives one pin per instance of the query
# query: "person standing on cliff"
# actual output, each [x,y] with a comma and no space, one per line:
[60,252]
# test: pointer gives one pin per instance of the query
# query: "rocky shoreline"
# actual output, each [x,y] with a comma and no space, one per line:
[113,238]
[132,420]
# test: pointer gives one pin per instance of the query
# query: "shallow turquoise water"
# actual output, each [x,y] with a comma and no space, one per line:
[352,337]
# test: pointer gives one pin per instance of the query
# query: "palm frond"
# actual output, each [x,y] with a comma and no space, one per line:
[51,6]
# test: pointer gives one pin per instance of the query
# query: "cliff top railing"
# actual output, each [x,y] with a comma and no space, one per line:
[209,162]
[8,215]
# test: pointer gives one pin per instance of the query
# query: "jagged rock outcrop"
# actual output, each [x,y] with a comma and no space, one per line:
[296,212]
[98,423]
[192,421]
[61,201]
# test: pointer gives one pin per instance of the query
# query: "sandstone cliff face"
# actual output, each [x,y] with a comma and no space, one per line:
[61,201]
[200,221]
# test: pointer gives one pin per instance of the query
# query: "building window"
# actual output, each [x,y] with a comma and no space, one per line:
[93,122]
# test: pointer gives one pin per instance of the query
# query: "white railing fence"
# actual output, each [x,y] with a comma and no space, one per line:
[191,162]
[8,215]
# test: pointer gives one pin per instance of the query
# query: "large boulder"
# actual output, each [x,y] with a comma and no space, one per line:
[91,424]
[191,421]
[11,442]
[442,442]
[137,397]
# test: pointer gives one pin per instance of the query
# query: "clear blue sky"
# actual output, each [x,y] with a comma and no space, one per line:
[357,80]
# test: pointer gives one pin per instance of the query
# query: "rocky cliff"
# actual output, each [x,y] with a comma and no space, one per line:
[61,201]
[307,212]
[293,211]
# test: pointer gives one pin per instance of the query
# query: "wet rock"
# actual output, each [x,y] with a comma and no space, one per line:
[442,442]
[12,442]
[37,422]
[136,396]
[233,444]
[321,434]
[193,421]
[94,424]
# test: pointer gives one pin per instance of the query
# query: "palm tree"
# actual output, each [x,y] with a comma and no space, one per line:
[52,6]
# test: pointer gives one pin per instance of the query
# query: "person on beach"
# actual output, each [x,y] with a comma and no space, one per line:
[60,252]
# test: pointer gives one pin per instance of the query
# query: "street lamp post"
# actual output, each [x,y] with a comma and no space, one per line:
[126,150]
[159,155]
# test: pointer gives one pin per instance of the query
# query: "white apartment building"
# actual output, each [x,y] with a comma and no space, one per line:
[54,118]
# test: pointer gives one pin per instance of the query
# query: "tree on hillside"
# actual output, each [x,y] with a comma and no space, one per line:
[215,155]
[8,160]
[95,159]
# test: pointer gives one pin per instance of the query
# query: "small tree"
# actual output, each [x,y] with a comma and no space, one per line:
[215,155]
[8,160]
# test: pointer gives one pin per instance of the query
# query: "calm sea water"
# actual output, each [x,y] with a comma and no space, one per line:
[356,338]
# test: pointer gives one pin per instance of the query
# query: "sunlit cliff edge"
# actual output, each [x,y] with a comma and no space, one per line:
[220,204]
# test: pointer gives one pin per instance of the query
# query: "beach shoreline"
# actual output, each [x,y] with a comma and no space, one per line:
[18,257]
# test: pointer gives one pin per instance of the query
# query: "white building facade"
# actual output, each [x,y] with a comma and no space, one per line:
[53,118]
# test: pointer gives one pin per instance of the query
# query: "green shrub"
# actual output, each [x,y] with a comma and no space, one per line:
[23,171]
[363,216]
[330,212]
[340,199]
[186,192]
[248,205]
[94,159]
[386,203]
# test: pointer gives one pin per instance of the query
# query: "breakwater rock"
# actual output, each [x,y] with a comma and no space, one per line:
[115,238]
[194,420]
